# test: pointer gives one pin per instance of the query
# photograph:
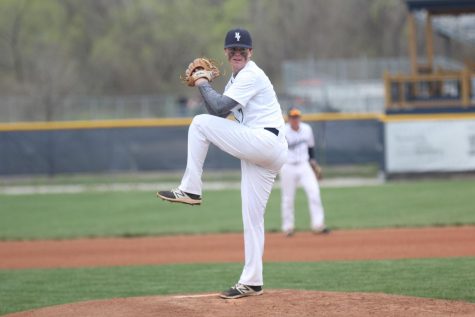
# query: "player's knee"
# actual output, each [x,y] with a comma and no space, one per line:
[200,119]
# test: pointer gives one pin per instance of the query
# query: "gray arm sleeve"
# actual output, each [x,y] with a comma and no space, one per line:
[215,103]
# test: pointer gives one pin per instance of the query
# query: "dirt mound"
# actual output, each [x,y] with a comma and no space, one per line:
[272,303]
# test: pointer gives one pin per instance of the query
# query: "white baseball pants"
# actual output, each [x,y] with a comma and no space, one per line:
[292,176]
[262,154]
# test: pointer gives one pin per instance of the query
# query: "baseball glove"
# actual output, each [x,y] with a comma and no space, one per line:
[316,169]
[201,67]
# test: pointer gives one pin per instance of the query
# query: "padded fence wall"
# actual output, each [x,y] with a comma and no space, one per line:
[126,149]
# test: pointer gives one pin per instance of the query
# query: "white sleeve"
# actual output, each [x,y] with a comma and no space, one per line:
[243,88]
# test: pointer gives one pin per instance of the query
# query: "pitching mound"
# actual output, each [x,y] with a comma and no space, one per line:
[272,303]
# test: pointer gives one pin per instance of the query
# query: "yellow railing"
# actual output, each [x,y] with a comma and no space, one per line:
[428,90]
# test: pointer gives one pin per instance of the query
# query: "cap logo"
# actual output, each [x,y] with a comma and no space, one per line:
[237,36]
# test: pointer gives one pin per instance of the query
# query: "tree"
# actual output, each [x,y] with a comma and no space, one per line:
[12,21]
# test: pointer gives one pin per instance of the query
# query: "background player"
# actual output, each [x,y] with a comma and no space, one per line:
[256,137]
[297,170]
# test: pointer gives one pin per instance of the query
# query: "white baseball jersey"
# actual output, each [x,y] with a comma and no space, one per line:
[261,152]
[299,142]
[258,106]
[297,171]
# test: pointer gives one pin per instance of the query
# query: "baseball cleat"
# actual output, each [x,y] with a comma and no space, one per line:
[324,230]
[289,233]
[240,290]
[178,196]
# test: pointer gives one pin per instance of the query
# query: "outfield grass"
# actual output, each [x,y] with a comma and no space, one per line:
[396,204]
[27,289]
[360,170]
[134,213]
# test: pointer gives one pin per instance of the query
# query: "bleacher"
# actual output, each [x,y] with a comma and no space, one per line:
[428,86]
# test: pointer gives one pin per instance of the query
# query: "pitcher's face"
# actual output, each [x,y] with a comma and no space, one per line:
[238,57]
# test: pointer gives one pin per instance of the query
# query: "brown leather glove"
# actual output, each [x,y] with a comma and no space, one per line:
[201,67]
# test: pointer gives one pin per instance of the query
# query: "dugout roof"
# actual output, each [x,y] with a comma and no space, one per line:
[453,19]
[442,7]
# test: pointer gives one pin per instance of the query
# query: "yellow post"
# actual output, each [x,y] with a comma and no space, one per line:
[412,45]
[401,90]
[465,87]
[429,43]
[387,91]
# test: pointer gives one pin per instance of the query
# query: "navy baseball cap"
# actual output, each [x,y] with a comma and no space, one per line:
[238,38]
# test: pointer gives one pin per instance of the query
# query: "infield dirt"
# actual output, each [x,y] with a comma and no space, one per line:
[374,244]
[339,245]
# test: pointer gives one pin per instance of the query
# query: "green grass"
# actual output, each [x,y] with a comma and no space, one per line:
[119,178]
[434,278]
[398,204]
[402,204]
[395,204]
[361,170]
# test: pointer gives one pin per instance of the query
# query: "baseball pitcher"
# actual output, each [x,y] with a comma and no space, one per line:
[255,137]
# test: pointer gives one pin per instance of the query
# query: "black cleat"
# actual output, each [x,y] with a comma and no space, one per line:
[322,231]
[240,290]
[178,196]
[289,233]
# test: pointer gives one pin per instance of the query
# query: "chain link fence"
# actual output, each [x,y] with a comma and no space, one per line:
[29,108]
[345,85]
[340,85]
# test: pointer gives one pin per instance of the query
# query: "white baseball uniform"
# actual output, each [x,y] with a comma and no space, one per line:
[261,152]
[297,171]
